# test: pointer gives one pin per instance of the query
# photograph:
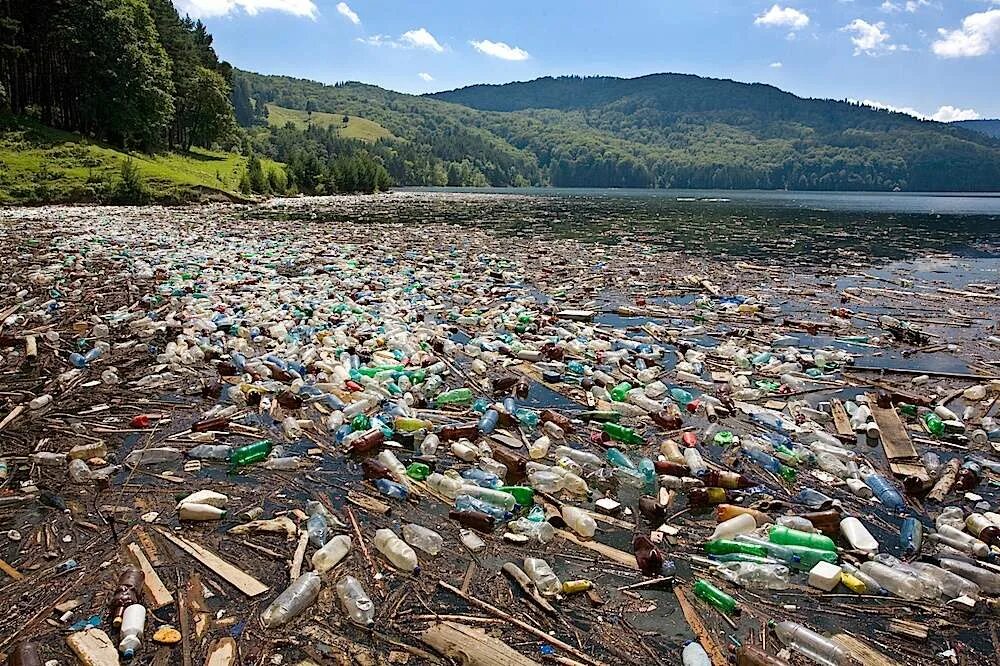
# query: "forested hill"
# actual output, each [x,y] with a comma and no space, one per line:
[662,130]
[988,127]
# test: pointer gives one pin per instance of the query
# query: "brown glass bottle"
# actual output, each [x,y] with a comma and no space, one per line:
[648,558]
[517,466]
[671,468]
[725,479]
[707,496]
[217,423]
[128,592]
[652,509]
[560,420]
[373,469]
[475,520]
[468,431]
[968,476]
[827,522]
[289,400]
[367,441]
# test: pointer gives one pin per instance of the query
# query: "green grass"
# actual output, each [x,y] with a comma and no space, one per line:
[354,128]
[42,165]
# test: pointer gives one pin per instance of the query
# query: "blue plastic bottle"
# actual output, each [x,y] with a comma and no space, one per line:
[911,536]
[488,422]
[885,491]
[481,477]
[391,489]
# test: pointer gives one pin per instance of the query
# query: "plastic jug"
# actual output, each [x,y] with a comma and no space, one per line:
[133,626]
[858,535]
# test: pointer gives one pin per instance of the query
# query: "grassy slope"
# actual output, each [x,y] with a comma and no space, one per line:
[355,128]
[40,164]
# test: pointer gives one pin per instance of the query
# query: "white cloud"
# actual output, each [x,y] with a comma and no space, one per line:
[421,39]
[944,114]
[776,65]
[344,10]
[500,50]
[205,8]
[425,76]
[870,38]
[379,40]
[784,17]
[978,36]
[911,6]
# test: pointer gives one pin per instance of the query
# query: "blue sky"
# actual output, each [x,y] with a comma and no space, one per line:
[937,58]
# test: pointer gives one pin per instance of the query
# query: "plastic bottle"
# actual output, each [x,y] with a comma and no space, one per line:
[951,585]
[896,581]
[672,452]
[789,537]
[989,581]
[355,600]
[728,546]
[694,655]
[715,597]
[133,626]
[755,576]
[542,530]
[423,538]
[812,645]
[539,448]
[457,396]
[964,541]
[542,576]
[392,489]
[293,601]
[331,553]
[884,491]
[396,551]
[694,461]
[317,527]
[725,512]
[445,485]
[911,536]
[495,497]
[251,453]
[740,524]
[582,458]
[872,586]
[622,434]
[579,521]
[211,452]
[858,535]
[469,503]
[196,511]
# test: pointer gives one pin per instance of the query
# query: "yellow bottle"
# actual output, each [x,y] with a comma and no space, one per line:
[853,584]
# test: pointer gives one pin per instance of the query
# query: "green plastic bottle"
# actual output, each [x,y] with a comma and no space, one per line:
[371,372]
[619,459]
[908,409]
[459,396]
[251,453]
[418,471]
[715,597]
[728,546]
[788,537]
[522,494]
[620,433]
[619,392]
[934,424]
[805,558]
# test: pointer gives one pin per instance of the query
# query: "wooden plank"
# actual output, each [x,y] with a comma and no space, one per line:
[862,652]
[236,577]
[895,440]
[300,553]
[904,469]
[221,653]
[619,556]
[10,571]
[715,653]
[841,420]
[93,647]
[157,591]
[472,647]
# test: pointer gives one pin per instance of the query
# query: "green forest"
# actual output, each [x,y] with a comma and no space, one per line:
[135,82]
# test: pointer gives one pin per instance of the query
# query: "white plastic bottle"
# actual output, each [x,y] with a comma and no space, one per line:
[858,535]
[423,538]
[356,602]
[579,521]
[727,529]
[332,552]
[197,511]
[396,551]
[133,626]
[296,598]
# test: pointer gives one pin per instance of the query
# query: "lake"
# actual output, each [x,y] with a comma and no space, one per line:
[806,227]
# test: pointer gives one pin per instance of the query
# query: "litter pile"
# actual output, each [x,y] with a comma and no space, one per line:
[225,439]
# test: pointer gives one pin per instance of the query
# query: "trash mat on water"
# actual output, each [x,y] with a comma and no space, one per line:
[228,439]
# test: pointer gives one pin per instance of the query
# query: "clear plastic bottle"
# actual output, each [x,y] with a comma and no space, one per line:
[423,538]
[296,598]
[498,498]
[429,445]
[211,452]
[811,644]
[445,485]
[756,576]
[694,461]
[356,602]
[396,551]
[317,527]
[540,530]
[579,521]
[896,581]
[331,553]
[539,448]
[542,575]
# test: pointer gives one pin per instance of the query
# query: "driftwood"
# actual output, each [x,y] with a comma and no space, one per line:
[158,592]
[472,647]
[694,620]
[93,647]
[528,587]
[238,578]
[221,653]
[945,483]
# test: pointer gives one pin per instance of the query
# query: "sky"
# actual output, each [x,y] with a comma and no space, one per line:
[932,58]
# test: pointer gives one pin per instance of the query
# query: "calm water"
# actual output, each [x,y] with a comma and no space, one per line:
[804,227]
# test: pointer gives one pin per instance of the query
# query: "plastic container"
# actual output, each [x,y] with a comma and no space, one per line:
[296,598]
[355,601]
[133,626]
[396,551]
[858,535]
[330,555]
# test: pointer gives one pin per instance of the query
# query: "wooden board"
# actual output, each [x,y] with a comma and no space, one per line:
[236,577]
[157,591]
[841,420]
[472,647]
[221,653]
[716,654]
[619,556]
[862,652]
[93,647]
[10,571]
